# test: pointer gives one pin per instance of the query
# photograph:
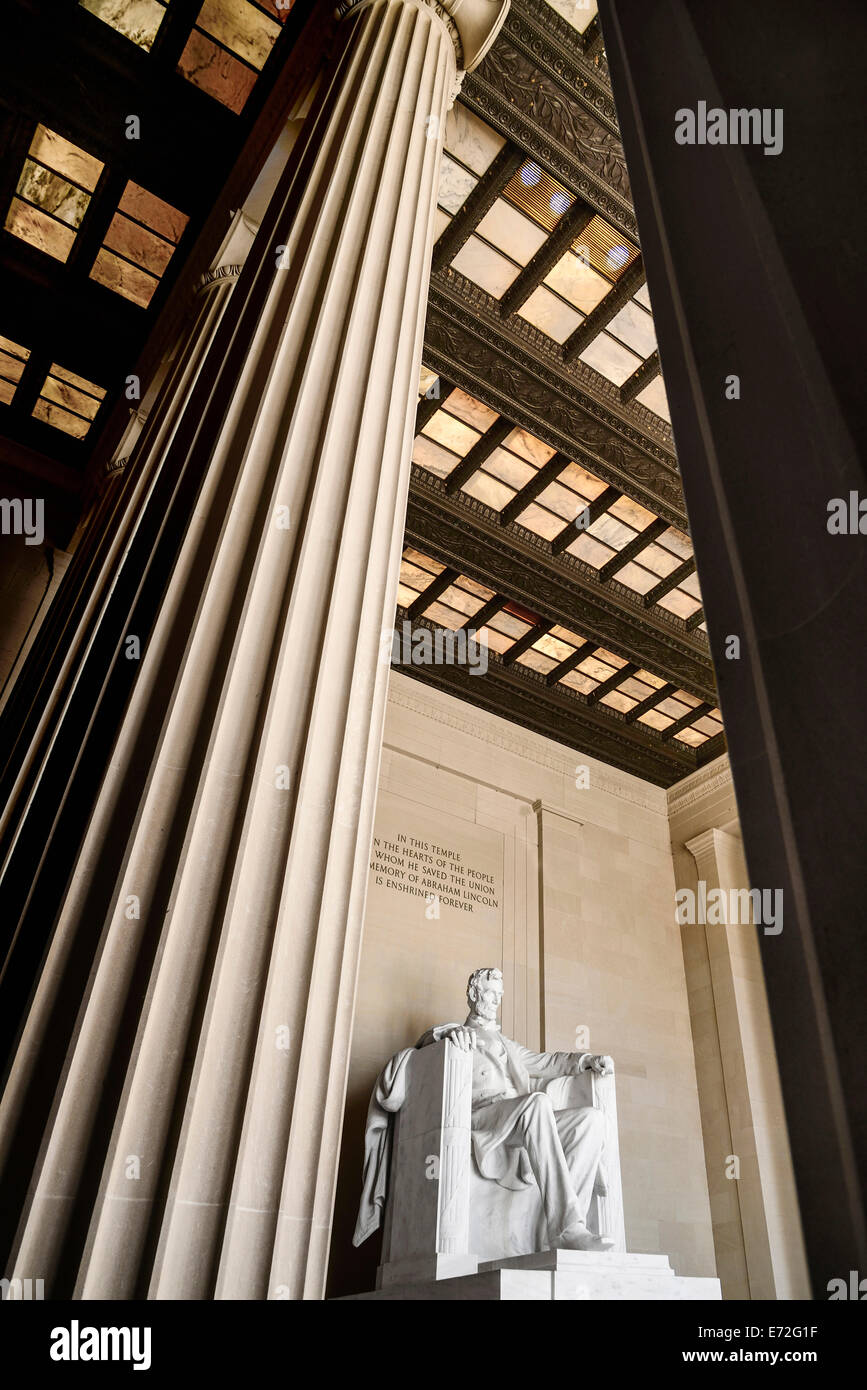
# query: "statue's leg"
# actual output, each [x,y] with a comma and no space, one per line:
[535,1130]
[582,1137]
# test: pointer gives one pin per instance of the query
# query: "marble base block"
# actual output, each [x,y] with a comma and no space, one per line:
[424,1268]
[562,1276]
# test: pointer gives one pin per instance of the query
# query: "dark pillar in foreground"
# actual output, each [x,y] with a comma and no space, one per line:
[755,264]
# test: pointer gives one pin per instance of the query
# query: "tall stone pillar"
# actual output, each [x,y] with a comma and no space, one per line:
[224,975]
[767,1213]
[123,517]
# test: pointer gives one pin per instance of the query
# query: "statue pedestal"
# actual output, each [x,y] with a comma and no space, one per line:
[561,1276]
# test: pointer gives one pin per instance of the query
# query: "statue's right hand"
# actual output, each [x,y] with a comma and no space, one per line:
[464,1038]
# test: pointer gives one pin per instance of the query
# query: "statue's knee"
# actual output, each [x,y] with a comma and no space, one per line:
[538,1109]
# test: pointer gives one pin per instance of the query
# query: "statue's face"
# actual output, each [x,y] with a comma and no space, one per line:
[488,996]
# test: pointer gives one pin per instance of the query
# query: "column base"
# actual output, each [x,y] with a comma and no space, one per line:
[560,1276]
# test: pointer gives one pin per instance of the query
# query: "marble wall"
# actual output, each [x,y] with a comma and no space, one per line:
[580,916]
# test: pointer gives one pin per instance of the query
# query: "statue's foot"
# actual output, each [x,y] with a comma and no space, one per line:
[579,1238]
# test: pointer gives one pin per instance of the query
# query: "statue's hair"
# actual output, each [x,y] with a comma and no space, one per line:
[487,972]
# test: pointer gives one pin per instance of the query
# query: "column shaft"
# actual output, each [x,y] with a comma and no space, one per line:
[221,993]
[126,513]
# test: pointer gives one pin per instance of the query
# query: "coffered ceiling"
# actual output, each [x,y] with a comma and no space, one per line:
[545,508]
[121,122]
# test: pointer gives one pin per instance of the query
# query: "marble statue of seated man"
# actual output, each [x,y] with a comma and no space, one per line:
[563,1147]
[517,1134]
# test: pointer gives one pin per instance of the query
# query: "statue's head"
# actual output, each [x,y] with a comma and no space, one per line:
[484,992]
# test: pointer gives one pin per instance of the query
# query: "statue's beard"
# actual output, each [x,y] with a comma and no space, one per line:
[483,1010]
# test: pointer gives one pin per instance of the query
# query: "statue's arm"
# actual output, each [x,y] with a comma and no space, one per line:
[548,1064]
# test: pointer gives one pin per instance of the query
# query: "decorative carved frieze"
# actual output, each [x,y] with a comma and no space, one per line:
[520,695]
[423,700]
[590,387]
[509,379]
[528,106]
[465,534]
[569,57]
[708,781]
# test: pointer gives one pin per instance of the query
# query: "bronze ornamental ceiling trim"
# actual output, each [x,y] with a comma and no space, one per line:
[527,106]
[466,535]
[522,696]
[565,55]
[518,336]
[509,380]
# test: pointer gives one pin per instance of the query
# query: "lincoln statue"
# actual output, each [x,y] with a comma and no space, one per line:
[515,1127]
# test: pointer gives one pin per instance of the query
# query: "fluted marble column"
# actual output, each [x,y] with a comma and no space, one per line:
[233,936]
[110,530]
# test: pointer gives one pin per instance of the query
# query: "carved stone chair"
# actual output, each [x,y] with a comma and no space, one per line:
[442,1217]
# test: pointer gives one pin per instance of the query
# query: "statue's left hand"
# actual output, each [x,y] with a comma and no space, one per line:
[602,1065]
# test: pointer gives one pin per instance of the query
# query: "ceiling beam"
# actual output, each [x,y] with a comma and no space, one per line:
[633,549]
[665,586]
[429,405]
[482,449]
[486,192]
[432,592]
[548,473]
[591,513]
[552,250]
[621,292]
[605,687]
[524,643]
[488,610]
[461,532]
[569,663]
[651,702]
[686,720]
[50,470]
[640,378]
